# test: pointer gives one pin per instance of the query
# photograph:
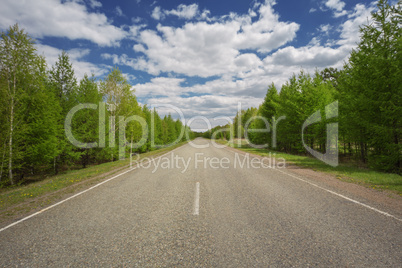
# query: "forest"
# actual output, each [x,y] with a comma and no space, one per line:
[35,101]
[369,94]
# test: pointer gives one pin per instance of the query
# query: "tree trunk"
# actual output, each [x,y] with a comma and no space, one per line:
[84,160]
[10,160]
[131,151]
[2,160]
[362,152]
[396,142]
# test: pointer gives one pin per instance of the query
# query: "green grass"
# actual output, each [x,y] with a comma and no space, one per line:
[11,197]
[345,172]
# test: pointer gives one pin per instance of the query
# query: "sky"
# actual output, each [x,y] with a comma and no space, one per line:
[203,57]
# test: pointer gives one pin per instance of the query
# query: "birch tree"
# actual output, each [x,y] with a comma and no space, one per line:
[17,63]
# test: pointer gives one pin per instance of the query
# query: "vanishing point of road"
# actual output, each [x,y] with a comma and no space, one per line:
[208,207]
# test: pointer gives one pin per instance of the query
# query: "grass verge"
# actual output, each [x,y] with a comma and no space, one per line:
[344,172]
[22,199]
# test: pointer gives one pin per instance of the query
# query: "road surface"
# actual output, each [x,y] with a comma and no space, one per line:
[207,207]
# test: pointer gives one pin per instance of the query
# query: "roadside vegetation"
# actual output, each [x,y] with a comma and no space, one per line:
[35,101]
[35,193]
[346,171]
[368,92]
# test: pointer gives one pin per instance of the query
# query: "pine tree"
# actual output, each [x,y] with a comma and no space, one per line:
[85,122]
[64,84]
[371,89]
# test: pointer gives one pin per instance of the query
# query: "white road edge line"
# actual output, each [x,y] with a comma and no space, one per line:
[78,194]
[335,193]
[342,196]
[197,199]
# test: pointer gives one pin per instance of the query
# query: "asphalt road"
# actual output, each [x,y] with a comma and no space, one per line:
[214,213]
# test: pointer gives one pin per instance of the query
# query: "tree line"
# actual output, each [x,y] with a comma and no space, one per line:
[35,101]
[368,90]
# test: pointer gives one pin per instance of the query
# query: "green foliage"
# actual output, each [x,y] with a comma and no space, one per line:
[370,91]
[64,84]
[219,132]
[28,127]
[85,122]
[370,101]
[35,103]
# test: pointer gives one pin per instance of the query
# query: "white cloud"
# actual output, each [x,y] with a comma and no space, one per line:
[80,67]
[333,54]
[310,57]
[119,12]
[325,28]
[130,77]
[157,13]
[136,19]
[95,4]
[205,15]
[340,14]
[315,41]
[184,11]
[195,49]
[135,30]
[209,49]
[350,29]
[215,47]
[312,10]
[60,19]
[160,86]
[337,6]
[228,48]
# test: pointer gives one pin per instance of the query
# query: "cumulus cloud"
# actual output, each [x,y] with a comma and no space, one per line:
[68,19]
[244,53]
[315,56]
[334,53]
[337,6]
[160,86]
[215,49]
[350,34]
[209,49]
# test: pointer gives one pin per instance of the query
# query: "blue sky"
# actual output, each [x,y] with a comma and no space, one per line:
[203,57]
